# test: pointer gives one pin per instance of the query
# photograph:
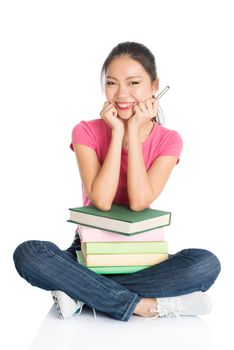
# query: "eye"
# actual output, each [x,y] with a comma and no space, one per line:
[134,82]
[110,83]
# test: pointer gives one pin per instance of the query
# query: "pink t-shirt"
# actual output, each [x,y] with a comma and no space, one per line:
[97,135]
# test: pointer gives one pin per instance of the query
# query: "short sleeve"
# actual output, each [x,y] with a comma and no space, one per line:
[83,134]
[171,145]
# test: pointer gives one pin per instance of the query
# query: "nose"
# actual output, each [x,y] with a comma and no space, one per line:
[122,92]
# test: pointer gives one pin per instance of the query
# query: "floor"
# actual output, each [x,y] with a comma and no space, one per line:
[104,333]
[193,333]
[31,323]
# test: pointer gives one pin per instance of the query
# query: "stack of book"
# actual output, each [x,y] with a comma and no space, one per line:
[120,240]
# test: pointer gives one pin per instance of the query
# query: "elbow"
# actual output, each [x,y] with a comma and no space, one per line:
[103,206]
[137,207]
[140,206]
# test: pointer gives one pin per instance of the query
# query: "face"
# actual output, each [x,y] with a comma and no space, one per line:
[127,83]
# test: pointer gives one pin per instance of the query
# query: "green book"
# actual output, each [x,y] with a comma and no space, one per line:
[109,269]
[120,219]
[124,247]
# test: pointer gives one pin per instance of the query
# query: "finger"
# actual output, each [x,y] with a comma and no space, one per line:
[106,103]
[149,106]
[155,106]
[137,109]
[104,106]
[111,110]
[108,107]
[142,107]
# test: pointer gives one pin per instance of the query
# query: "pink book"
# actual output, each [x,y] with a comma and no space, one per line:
[90,234]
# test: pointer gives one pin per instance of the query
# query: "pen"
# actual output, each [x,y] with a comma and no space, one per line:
[162,92]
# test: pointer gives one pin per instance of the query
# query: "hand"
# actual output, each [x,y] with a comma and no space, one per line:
[110,115]
[143,112]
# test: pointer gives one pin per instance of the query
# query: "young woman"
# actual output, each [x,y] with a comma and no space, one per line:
[124,157]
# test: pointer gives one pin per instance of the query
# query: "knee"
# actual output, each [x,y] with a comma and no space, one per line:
[22,255]
[30,253]
[204,263]
[212,263]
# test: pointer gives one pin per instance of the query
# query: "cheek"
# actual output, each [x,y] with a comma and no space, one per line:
[141,93]
[109,94]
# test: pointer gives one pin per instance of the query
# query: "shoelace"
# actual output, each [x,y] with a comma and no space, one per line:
[80,310]
[152,310]
[167,307]
[94,313]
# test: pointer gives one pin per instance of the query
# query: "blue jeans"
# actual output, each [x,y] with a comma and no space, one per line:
[44,265]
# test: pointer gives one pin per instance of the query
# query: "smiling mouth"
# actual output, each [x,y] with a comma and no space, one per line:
[124,106]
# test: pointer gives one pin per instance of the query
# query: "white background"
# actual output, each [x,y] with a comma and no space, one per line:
[50,62]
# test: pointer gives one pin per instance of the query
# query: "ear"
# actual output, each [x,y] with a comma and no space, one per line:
[155,86]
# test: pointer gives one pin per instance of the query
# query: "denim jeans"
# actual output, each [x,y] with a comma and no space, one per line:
[44,265]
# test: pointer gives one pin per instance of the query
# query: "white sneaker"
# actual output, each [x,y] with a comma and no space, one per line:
[65,305]
[192,304]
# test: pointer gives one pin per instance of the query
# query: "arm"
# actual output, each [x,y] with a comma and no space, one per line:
[100,183]
[144,187]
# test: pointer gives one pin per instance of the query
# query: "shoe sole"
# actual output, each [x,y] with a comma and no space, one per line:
[58,307]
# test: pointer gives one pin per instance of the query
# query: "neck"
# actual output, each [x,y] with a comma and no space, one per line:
[144,132]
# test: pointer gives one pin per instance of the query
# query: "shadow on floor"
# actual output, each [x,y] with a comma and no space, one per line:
[105,333]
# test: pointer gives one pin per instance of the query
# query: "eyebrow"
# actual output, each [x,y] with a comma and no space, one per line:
[130,77]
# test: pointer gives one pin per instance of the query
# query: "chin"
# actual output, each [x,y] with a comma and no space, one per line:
[125,115]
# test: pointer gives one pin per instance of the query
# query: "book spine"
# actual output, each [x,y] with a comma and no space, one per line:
[120,219]
[124,259]
[101,270]
[110,269]
[125,247]
[126,233]
[88,234]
